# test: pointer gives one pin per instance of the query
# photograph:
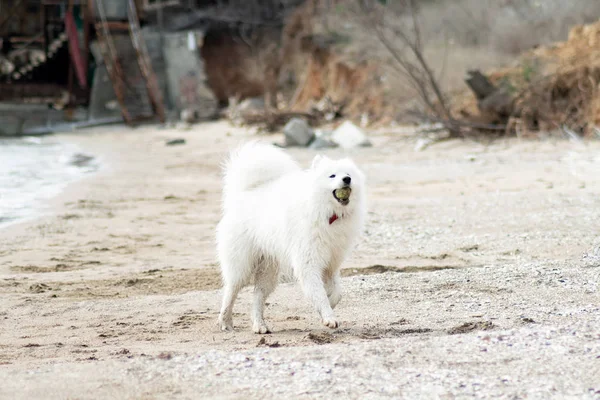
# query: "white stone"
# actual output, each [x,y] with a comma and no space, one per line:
[348,135]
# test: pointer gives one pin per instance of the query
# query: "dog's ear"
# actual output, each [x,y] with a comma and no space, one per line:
[317,161]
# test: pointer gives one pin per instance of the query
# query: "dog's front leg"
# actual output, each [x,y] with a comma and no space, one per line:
[332,287]
[311,280]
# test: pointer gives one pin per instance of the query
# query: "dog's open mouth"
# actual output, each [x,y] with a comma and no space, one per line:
[342,195]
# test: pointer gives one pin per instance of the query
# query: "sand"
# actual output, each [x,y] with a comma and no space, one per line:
[477,276]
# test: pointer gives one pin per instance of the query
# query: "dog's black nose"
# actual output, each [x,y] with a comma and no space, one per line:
[347,180]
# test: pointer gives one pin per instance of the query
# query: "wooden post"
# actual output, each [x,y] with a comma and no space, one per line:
[490,99]
[86,43]
[479,84]
[71,75]
[144,63]
[45,30]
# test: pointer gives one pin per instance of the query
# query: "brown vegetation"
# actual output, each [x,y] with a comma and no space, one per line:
[551,88]
[332,59]
[304,68]
[353,89]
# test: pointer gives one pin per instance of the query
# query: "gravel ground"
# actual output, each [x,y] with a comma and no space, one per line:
[477,277]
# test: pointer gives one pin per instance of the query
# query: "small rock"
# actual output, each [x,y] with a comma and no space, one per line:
[251,104]
[322,143]
[111,105]
[165,356]
[591,258]
[321,337]
[188,115]
[471,326]
[81,160]
[38,288]
[183,126]
[329,116]
[298,133]
[422,144]
[349,135]
[175,142]
[323,134]
[364,120]
[32,140]
[323,140]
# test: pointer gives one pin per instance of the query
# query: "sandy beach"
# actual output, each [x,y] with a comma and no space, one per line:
[477,276]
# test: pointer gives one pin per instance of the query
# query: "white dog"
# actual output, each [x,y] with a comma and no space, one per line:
[278,218]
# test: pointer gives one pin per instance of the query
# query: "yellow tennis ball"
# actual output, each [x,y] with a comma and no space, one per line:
[343,193]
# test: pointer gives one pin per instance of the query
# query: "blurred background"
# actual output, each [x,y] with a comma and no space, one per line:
[471,66]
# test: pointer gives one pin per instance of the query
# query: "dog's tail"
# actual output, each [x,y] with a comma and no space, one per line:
[252,165]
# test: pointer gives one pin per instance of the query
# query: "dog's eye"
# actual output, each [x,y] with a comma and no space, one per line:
[332,176]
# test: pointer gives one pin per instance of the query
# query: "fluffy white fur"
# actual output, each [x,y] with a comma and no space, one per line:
[276,219]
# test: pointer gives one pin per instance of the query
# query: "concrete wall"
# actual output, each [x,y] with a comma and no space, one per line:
[31,119]
[102,95]
[186,77]
[153,45]
[179,71]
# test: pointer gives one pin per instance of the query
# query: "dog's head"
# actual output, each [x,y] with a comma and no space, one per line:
[340,180]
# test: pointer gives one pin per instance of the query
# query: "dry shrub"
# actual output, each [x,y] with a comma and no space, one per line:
[565,101]
[458,35]
[567,95]
[555,87]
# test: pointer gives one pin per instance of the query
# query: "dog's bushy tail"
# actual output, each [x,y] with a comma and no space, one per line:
[252,165]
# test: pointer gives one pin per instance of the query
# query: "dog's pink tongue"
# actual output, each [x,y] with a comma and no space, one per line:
[332,218]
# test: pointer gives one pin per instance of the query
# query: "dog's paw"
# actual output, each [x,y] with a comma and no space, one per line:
[261,329]
[330,323]
[225,326]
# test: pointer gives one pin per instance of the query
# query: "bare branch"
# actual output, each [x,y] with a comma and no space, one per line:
[409,60]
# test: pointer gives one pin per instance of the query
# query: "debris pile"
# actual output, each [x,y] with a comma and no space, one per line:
[550,88]
[333,86]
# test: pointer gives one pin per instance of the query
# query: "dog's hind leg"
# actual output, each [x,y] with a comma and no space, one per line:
[265,280]
[236,268]
[230,292]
